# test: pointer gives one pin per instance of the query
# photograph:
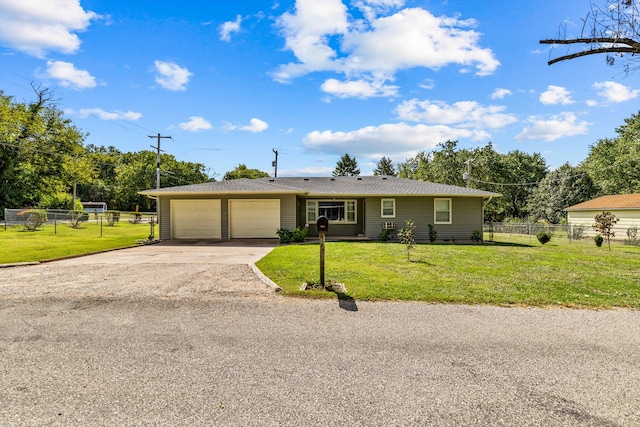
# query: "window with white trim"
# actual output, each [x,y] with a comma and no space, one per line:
[388,208]
[343,211]
[442,211]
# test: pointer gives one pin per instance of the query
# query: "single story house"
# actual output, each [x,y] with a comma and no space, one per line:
[355,206]
[626,207]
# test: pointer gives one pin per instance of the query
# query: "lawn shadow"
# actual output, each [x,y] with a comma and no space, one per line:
[346,302]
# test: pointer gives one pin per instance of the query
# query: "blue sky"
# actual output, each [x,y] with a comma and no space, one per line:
[314,79]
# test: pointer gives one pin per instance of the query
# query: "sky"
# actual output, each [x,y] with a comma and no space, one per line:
[231,82]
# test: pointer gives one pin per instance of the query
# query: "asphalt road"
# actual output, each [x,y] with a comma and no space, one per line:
[269,360]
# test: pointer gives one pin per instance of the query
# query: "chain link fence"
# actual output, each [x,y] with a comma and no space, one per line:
[13,217]
[628,235]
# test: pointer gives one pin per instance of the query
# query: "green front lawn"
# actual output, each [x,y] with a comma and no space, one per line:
[51,242]
[522,273]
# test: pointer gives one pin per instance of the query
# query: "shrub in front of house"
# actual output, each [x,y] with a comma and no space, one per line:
[432,233]
[297,235]
[476,236]
[385,235]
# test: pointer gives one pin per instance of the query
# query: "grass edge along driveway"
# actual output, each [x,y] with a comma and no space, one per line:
[558,274]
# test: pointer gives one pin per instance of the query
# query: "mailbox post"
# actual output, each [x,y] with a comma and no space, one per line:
[322,225]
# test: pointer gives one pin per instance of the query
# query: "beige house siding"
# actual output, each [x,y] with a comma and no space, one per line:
[287,211]
[585,219]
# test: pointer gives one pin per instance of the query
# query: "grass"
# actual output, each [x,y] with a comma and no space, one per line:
[51,242]
[513,271]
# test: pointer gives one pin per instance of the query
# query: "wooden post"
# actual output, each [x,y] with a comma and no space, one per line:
[322,258]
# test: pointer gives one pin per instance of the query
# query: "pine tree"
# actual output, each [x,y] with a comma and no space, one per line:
[346,166]
[385,167]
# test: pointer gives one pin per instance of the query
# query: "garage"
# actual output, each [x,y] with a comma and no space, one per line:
[250,219]
[196,219]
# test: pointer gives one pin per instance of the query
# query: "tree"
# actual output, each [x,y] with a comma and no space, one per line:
[41,152]
[604,224]
[385,167]
[611,29]
[562,187]
[346,166]
[614,164]
[406,236]
[241,171]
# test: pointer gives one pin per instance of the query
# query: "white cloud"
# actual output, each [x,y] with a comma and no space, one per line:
[323,37]
[399,140]
[35,27]
[229,28]
[591,102]
[615,92]
[195,124]
[558,126]
[428,84]
[69,76]
[171,76]
[500,93]
[358,88]
[106,115]
[464,114]
[556,95]
[255,126]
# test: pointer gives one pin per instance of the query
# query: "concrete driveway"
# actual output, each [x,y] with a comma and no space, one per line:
[183,252]
[191,269]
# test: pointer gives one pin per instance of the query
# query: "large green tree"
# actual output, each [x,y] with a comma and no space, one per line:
[346,166]
[614,163]
[563,187]
[41,152]
[242,171]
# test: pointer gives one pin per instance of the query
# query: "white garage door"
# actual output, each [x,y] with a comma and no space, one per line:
[250,219]
[196,219]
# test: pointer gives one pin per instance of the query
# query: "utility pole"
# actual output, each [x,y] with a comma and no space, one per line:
[275,163]
[158,159]
[158,171]
[467,176]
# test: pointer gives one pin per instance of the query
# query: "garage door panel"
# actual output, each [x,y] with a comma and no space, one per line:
[196,219]
[250,219]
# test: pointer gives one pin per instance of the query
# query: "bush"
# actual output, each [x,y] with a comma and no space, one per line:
[113,217]
[432,233]
[299,234]
[476,236]
[598,239]
[77,217]
[284,235]
[385,235]
[288,236]
[33,218]
[544,237]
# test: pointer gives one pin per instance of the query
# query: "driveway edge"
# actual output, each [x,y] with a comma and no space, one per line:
[270,283]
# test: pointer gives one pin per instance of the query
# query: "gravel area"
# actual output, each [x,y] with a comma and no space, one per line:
[203,345]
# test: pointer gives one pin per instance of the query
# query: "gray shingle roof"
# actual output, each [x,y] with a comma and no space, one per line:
[338,186]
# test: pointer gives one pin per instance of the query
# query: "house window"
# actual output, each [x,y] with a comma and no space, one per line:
[311,211]
[388,208]
[442,211]
[343,211]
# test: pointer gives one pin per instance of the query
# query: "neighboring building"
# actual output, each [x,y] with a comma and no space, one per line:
[626,207]
[94,207]
[355,206]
